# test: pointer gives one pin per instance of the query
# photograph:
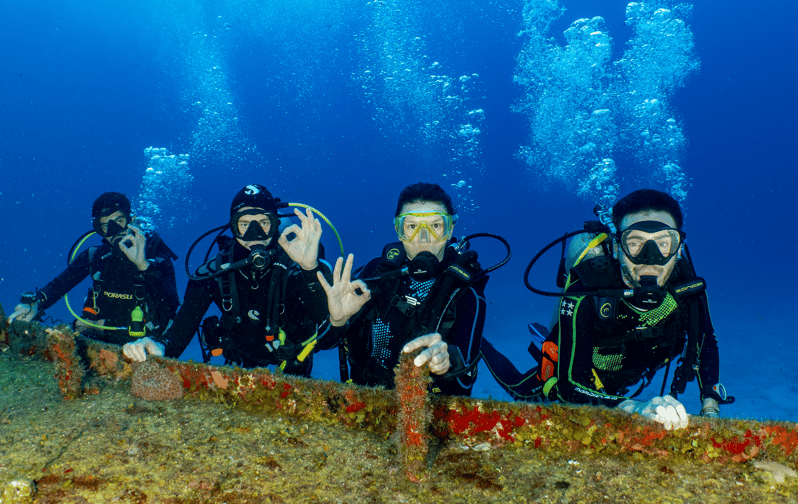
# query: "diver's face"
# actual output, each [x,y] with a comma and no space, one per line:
[244,223]
[423,241]
[632,272]
[120,221]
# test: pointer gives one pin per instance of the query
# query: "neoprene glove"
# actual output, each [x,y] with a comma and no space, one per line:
[139,349]
[24,312]
[665,410]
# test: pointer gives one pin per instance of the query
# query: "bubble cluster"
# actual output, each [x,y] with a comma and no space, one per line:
[659,59]
[165,191]
[586,111]
[415,100]
[219,136]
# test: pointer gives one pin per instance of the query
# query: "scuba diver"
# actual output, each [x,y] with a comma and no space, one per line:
[133,292]
[270,300]
[426,291]
[631,304]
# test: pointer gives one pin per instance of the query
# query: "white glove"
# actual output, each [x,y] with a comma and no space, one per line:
[24,312]
[139,349]
[665,410]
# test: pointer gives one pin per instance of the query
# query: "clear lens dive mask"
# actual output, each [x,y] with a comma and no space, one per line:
[650,242]
[436,226]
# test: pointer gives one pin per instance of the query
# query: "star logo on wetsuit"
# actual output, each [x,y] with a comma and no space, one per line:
[567,308]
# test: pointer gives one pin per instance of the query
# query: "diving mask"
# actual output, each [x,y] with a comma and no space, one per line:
[261,227]
[112,227]
[650,242]
[437,226]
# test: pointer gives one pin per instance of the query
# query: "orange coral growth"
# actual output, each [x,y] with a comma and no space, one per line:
[414,415]
[219,379]
[785,438]
[68,368]
[108,357]
[106,362]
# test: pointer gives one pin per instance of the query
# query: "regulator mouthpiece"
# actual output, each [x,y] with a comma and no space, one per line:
[649,294]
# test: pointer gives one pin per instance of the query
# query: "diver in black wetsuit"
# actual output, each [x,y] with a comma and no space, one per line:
[133,293]
[622,318]
[269,296]
[422,292]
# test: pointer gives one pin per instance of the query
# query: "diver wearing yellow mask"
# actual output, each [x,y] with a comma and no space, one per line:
[422,292]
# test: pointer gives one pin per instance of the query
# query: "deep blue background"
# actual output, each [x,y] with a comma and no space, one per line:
[86,86]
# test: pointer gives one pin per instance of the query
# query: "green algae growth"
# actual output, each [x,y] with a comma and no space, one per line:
[112,447]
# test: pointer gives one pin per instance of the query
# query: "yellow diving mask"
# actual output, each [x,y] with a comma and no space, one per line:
[437,226]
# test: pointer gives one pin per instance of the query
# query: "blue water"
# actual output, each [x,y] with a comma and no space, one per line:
[340,103]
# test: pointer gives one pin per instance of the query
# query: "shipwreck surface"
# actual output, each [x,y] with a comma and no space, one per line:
[72,431]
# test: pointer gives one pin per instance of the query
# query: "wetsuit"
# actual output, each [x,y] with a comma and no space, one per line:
[242,333]
[602,361]
[118,287]
[394,316]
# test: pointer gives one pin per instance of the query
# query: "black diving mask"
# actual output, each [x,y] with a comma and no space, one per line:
[650,242]
[112,228]
[254,230]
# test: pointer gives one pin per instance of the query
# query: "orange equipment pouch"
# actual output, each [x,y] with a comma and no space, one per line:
[551,354]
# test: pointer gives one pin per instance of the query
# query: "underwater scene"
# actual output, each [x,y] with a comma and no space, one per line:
[528,113]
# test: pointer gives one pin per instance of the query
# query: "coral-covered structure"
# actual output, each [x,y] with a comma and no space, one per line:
[553,428]
[154,382]
[68,367]
[414,415]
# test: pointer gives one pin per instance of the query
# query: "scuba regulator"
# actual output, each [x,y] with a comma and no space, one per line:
[463,267]
[648,294]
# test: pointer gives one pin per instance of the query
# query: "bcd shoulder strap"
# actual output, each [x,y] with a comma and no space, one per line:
[227,287]
[156,247]
[600,272]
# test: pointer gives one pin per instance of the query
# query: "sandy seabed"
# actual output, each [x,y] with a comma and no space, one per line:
[113,447]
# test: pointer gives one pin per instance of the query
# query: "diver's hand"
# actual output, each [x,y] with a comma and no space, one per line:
[133,246]
[81,326]
[343,300]
[304,248]
[436,354]
[665,410]
[24,312]
[139,349]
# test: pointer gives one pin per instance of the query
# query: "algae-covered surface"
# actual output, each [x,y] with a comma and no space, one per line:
[109,446]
